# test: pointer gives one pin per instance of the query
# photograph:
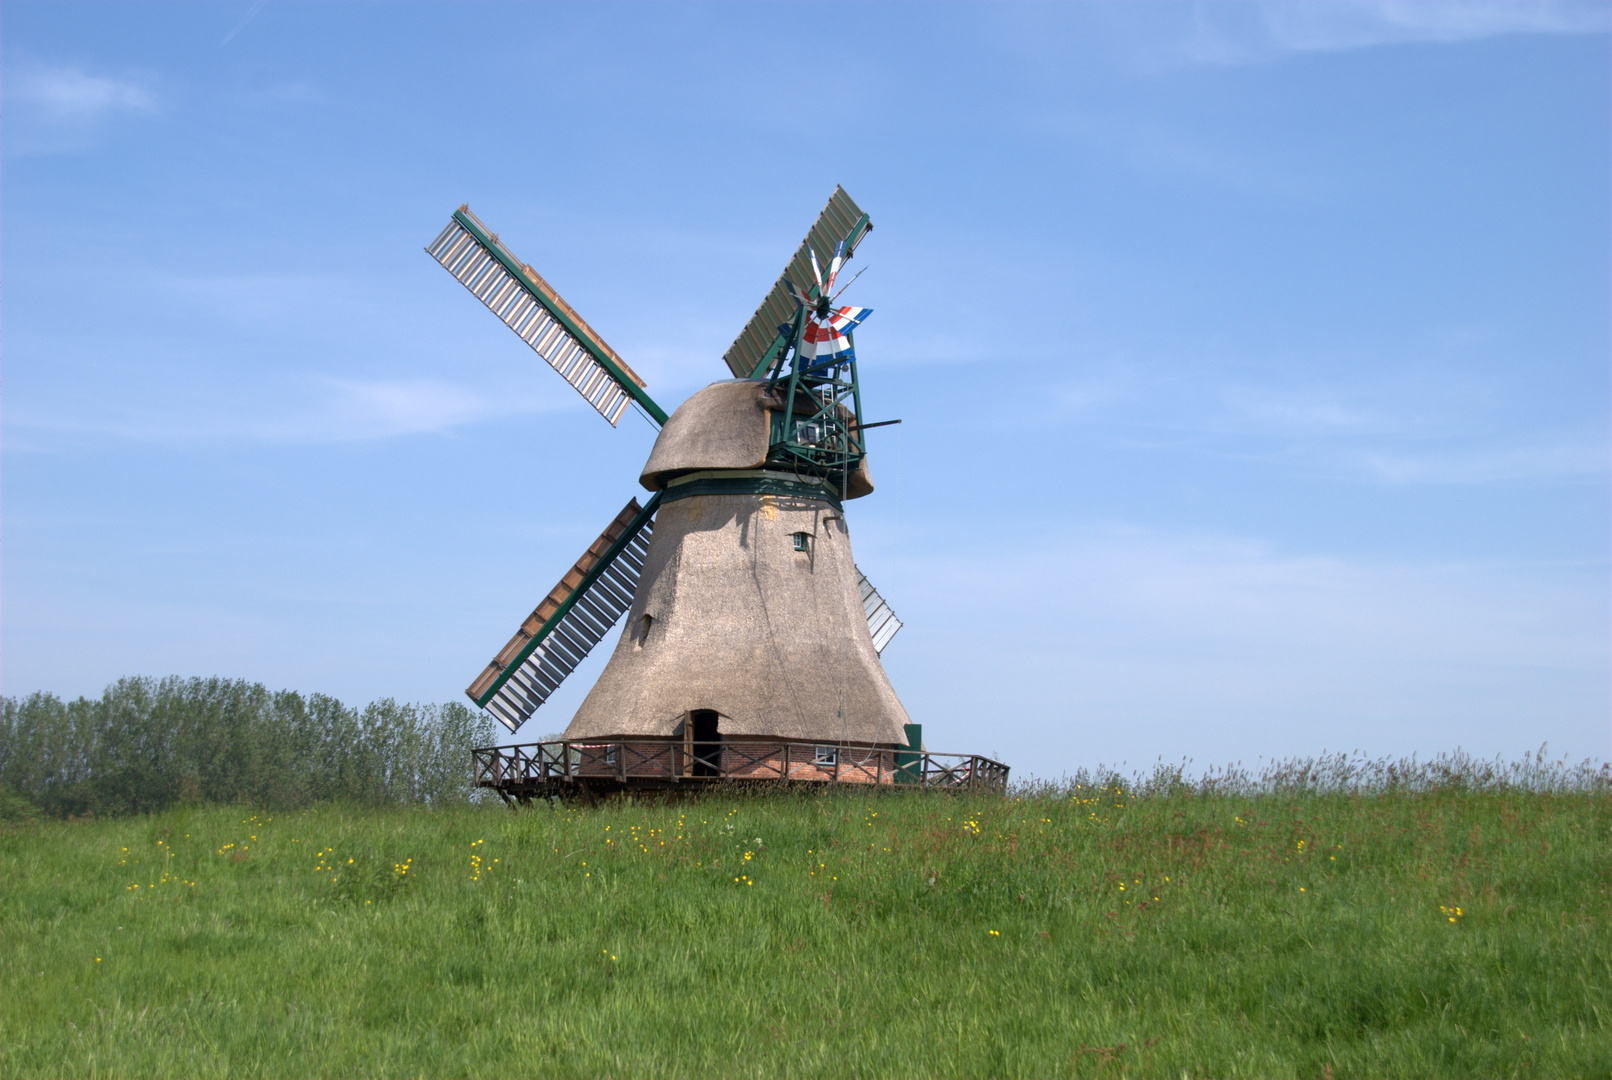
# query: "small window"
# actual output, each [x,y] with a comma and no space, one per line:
[803,541]
[610,755]
[828,755]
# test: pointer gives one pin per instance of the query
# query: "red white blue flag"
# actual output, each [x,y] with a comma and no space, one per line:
[826,339]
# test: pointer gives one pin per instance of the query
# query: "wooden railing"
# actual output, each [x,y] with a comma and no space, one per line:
[552,767]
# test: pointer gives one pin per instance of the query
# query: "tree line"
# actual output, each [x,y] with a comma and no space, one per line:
[147,744]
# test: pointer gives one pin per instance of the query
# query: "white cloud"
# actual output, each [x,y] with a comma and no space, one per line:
[1490,464]
[70,95]
[672,369]
[317,409]
[1398,432]
[63,109]
[1304,412]
[1229,596]
[1236,33]
[1350,25]
[1134,642]
[382,408]
[352,409]
[1238,596]
[284,92]
[1426,427]
[251,12]
[251,301]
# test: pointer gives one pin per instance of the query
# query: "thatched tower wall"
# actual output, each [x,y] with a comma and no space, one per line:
[730,614]
[730,617]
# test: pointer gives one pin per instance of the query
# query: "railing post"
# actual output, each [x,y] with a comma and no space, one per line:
[688,744]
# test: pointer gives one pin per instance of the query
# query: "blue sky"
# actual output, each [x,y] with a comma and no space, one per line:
[1253,358]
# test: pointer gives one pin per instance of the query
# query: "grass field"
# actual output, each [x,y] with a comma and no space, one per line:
[1089,933]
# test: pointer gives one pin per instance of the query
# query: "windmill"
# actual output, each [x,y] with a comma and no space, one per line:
[749,627]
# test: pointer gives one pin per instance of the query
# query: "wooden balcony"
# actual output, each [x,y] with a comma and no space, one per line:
[556,768]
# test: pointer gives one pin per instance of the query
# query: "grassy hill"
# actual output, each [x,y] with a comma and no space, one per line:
[1086,932]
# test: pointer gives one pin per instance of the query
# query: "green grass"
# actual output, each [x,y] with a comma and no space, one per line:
[1446,933]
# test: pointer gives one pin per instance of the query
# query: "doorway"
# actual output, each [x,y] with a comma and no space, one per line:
[707,743]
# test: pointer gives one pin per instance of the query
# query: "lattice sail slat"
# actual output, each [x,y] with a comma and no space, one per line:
[528,305]
[570,621]
[882,622]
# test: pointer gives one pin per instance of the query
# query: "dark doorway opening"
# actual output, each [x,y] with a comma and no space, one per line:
[707,742]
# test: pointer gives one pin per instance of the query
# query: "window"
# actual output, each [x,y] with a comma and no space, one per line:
[827,755]
[610,755]
[803,541]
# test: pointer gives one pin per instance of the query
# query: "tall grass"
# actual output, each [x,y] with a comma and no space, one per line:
[1343,774]
[147,744]
[1454,931]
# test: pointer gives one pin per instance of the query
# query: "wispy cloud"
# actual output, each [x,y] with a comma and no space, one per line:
[72,95]
[1349,25]
[251,12]
[1247,33]
[1308,411]
[1432,427]
[299,92]
[384,408]
[255,300]
[1399,431]
[353,409]
[1110,641]
[316,409]
[56,109]
[1155,37]
[1489,464]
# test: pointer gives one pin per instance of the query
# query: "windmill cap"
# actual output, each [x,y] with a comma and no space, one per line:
[727,425]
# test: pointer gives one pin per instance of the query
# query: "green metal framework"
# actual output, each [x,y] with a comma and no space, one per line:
[819,430]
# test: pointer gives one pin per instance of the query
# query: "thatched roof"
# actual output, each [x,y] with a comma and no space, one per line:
[727,425]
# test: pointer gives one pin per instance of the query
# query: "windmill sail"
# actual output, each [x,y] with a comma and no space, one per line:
[882,622]
[569,622]
[841,221]
[528,305]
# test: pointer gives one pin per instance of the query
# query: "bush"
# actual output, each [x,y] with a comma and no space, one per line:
[147,744]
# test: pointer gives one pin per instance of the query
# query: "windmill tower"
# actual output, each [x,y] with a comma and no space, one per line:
[749,627]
